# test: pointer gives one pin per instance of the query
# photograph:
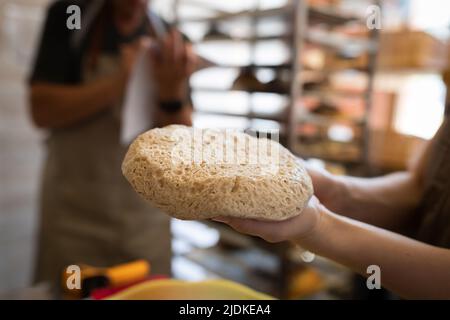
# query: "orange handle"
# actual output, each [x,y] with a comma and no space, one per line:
[127,273]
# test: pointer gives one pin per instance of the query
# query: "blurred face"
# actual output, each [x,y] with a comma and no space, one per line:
[130,8]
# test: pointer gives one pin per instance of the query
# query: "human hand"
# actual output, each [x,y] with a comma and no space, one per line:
[327,188]
[296,229]
[173,63]
[129,54]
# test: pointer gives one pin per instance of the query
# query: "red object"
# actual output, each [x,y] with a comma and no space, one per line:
[104,293]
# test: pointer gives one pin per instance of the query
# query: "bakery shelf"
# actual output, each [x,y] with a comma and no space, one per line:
[231,38]
[329,16]
[329,92]
[326,30]
[236,90]
[317,15]
[332,70]
[253,66]
[327,41]
[327,120]
[353,161]
[339,42]
[250,115]
[275,12]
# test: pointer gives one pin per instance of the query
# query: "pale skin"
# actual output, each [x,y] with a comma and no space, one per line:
[58,106]
[348,220]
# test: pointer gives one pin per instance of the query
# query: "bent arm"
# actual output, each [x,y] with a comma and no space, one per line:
[409,268]
[58,106]
[387,202]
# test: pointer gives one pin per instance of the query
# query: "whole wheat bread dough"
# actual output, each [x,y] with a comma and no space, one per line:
[196,174]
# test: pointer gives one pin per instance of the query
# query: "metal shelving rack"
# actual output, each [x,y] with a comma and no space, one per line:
[254,15]
[298,15]
[366,46]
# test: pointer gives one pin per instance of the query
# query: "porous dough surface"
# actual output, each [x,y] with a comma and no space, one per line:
[195,174]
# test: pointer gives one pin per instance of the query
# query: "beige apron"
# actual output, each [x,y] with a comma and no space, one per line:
[89,212]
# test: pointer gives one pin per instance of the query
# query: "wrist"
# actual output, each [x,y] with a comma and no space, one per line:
[316,229]
[170,106]
[336,191]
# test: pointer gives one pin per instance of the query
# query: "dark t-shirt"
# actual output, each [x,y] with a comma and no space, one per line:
[58,60]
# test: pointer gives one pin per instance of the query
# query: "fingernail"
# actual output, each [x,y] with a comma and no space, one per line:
[223,220]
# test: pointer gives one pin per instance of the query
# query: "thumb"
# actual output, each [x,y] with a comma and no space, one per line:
[144,42]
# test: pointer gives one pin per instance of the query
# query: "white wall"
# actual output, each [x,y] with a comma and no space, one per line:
[20,144]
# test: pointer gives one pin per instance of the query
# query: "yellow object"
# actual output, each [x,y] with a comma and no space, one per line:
[182,290]
[117,276]
[126,273]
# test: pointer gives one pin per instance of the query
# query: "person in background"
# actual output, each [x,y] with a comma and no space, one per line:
[359,223]
[89,213]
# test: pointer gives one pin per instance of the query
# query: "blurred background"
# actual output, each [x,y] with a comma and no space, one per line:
[354,100]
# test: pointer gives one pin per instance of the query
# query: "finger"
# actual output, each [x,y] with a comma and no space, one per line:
[220,219]
[161,51]
[315,170]
[269,231]
[145,42]
[169,48]
[313,201]
[156,51]
[179,48]
[192,60]
[318,176]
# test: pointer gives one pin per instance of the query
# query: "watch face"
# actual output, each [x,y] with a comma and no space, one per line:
[171,106]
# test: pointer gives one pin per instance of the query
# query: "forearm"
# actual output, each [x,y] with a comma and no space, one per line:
[386,202]
[58,106]
[408,267]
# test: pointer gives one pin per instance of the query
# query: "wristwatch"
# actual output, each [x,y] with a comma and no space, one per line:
[171,106]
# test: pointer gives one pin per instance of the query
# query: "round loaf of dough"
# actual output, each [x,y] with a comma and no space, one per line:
[194,174]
